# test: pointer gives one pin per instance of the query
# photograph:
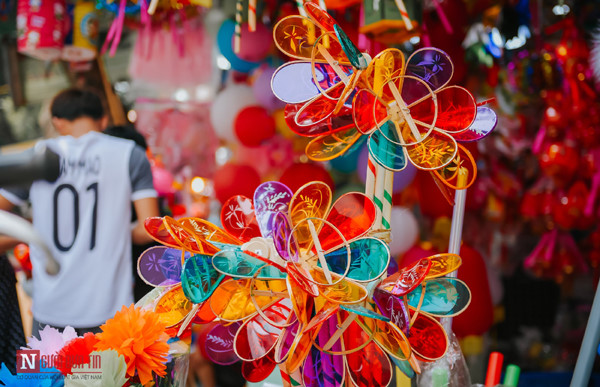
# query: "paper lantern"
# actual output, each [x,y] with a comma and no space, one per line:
[432,201]
[479,316]
[235,179]
[226,107]
[82,38]
[41,28]
[253,125]
[405,230]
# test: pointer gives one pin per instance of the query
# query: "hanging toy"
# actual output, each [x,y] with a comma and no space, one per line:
[391,22]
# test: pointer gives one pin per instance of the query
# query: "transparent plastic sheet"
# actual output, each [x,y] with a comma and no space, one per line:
[177,370]
[453,363]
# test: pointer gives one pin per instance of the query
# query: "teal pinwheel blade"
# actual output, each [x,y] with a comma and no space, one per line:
[390,155]
[238,264]
[369,259]
[199,279]
[443,297]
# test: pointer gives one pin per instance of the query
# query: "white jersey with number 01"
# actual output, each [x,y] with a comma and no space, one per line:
[84,217]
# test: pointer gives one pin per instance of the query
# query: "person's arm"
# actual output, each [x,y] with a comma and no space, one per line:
[144,208]
[144,197]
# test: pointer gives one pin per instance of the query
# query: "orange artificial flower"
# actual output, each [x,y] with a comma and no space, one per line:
[140,337]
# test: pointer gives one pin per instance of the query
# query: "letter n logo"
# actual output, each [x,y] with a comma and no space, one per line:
[28,361]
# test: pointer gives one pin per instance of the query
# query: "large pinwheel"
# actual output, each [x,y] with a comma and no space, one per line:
[335,93]
[299,270]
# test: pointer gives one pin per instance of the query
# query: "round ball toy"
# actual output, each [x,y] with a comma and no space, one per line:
[224,42]
[263,92]
[225,108]
[405,230]
[253,125]
[298,174]
[254,45]
[235,179]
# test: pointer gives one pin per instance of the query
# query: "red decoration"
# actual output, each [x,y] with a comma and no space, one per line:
[41,28]
[235,179]
[299,174]
[253,125]
[76,352]
[479,316]
[432,201]
[21,252]
[559,161]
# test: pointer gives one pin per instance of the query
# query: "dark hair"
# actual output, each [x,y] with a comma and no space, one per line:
[128,133]
[74,103]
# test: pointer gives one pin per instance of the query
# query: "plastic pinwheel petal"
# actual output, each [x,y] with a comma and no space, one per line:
[238,218]
[485,122]
[441,297]
[218,343]
[199,278]
[161,266]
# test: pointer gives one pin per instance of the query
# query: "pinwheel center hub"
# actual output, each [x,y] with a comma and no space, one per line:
[396,113]
[259,246]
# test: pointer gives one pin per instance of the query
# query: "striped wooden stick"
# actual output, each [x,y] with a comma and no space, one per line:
[300,5]
[378,195]
[252,15]
[386,211]
[237,39]
[370,181]
[404,13]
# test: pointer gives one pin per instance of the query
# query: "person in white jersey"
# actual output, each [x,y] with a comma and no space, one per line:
[84,217]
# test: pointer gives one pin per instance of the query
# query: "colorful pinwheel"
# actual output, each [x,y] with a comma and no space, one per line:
[334,93]
[299,270]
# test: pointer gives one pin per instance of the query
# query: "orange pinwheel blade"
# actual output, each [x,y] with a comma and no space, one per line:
[461,172]
[435,152]
[386,65]
[173,307]
[388,336]
[310,201]
[442,264]
[319,16]
[295,36]
[208,231]
[231,301]
[328,147]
